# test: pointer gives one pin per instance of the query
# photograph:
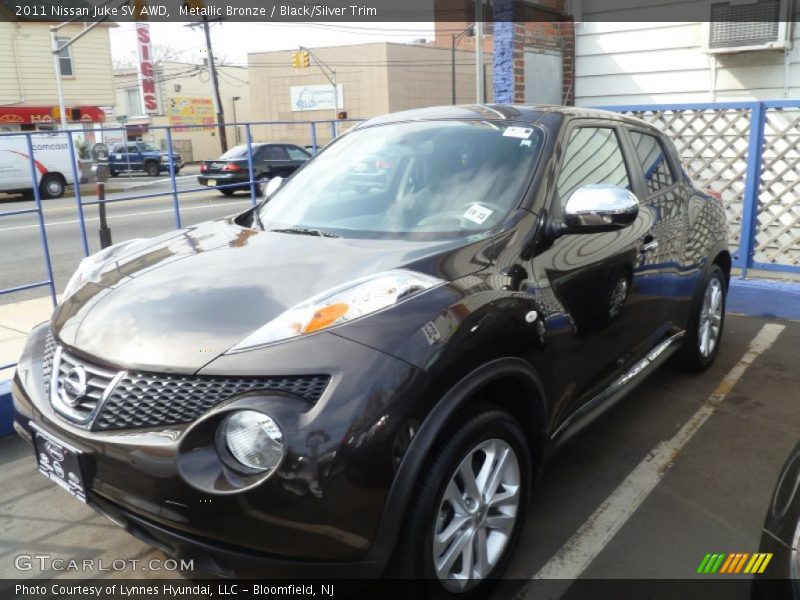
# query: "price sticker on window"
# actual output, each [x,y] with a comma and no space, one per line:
[477,213]
[522,133]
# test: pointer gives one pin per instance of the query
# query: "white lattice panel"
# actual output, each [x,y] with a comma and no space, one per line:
[778,226]
[713,145]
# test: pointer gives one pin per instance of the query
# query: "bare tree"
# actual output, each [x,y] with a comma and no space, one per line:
[162,53]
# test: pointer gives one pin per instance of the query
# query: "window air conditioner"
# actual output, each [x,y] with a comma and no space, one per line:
[743,25]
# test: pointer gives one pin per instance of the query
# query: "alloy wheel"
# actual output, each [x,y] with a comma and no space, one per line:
[476,515]
[710,321]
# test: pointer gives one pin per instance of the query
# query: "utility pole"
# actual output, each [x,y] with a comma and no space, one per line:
[479,73]
[212,71]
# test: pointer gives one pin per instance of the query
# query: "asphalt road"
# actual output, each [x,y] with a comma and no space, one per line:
[21,256]
[623,504]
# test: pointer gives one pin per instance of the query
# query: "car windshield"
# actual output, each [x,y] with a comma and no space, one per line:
[236,152]
[417,180]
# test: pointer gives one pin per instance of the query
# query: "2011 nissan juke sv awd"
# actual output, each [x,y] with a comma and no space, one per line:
[367,371]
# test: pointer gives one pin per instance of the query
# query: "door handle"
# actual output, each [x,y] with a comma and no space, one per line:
[650,243]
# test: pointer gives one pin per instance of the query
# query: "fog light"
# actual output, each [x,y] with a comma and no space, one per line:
[252,439]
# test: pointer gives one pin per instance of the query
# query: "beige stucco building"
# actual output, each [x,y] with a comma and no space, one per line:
[28,82]
[373,79]
[185,97]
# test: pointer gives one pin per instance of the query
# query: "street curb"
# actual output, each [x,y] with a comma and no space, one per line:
[6,409]
[764,298]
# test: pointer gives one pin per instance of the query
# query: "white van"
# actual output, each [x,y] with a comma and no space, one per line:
[51,156]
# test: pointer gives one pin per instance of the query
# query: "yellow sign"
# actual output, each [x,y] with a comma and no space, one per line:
[184,112]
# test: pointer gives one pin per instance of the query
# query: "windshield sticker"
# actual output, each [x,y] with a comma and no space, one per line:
[522,133]
[525,143]
[477,214]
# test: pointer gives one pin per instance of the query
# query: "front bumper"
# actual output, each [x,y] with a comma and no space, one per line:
[319,513]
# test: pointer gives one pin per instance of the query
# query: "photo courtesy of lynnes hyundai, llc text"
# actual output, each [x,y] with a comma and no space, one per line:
[367,371]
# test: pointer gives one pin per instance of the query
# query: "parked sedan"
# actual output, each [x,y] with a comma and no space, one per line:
[229,173]
[363,377]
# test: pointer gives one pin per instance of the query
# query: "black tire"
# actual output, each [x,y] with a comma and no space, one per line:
[152,168]
[227,192]
[113,173]
[413,560]
[690,357]
[51,186]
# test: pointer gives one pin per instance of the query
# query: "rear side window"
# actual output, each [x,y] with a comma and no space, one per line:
[275,153]
[593,155]
[296,153]
[653,159]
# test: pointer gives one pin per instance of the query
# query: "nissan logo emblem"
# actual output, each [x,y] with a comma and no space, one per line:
[73,386]
[54,451]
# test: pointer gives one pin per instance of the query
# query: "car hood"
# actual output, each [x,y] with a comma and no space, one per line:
[176,302]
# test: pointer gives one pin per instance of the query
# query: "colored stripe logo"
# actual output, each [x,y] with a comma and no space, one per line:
[734,563]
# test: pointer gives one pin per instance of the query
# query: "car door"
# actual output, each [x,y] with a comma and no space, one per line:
[276,157]
[604,298]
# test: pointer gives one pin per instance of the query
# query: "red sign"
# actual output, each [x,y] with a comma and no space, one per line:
[146,81]
[27,115]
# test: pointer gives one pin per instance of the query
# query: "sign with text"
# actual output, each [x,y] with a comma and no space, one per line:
[315,97]
[146,80]
[191,111]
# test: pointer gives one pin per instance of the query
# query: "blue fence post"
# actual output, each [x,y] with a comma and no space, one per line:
[752,183]
[76,180]
[334,132]
[250,167]
[37,196]
[175,203]
[314,137]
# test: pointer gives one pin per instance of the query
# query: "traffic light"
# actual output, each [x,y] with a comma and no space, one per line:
[300,59]
[73,114]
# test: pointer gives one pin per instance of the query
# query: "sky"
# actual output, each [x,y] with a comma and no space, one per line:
[233,41]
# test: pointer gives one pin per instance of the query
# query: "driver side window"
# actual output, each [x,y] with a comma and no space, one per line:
[593,155]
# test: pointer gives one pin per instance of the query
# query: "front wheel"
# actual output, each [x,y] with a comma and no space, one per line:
[51,186]
[705,329]
[467,509]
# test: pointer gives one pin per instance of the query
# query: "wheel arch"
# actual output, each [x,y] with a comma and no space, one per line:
[508,383]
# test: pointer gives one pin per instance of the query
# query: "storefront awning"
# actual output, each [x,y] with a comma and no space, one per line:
[28,115]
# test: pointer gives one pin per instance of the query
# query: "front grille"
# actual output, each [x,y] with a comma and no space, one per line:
[117,400]
[77,387]
[148,400]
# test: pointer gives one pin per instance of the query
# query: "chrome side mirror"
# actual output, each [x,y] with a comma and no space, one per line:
[599,207]
[270,187]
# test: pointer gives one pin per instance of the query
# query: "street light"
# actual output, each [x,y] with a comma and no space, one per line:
[235,122]
[455,38]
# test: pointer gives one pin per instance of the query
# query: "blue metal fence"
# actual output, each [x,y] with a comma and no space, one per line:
[174,192]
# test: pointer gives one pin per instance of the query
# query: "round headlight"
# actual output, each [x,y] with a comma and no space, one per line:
[252,439]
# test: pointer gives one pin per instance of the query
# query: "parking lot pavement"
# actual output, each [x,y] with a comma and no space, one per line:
[711,496]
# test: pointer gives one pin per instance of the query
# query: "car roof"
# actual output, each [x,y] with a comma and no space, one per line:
[502,112]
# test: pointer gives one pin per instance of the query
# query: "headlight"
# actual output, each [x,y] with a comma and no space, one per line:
[165,158]
[91,267]
[345,303]
[252,439]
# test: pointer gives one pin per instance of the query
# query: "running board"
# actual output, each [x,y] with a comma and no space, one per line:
[616,391]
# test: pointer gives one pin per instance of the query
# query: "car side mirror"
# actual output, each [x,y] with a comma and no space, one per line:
[599,207]
[271,186]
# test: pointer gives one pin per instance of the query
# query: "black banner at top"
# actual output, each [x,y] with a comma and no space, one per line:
[296,11]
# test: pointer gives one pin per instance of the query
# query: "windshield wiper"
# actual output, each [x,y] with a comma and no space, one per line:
[306,231]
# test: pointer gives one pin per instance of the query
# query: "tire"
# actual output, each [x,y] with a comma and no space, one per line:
[227,192]
[701,345]
[466,444]
[113,173]
[152,169]
[51,186]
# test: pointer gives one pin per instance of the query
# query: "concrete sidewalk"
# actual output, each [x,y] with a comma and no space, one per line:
[16,320]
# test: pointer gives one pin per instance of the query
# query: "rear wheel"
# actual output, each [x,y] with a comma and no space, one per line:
[705,330]
[467,509]
[51,186]
[152,169]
